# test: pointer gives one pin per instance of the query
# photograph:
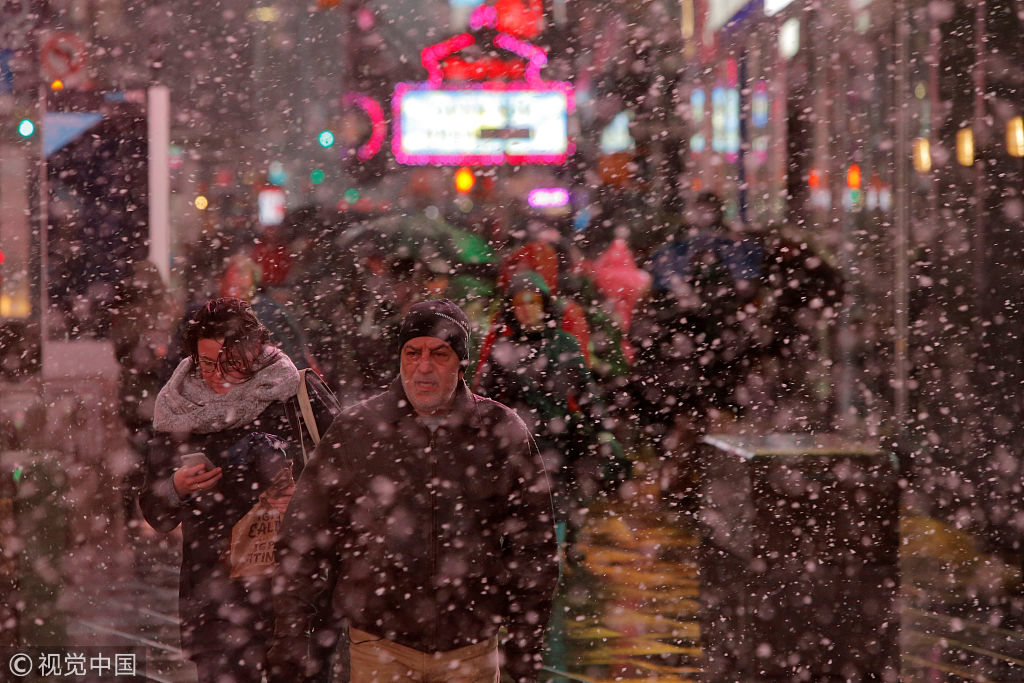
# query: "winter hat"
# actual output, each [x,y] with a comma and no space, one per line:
[437,318]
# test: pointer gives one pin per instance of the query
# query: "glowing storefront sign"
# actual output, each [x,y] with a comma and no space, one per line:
[725,122]
[548,197]
[482,123]
[720,12]
[272,206]
[698,101]
[775,6]
[615,137]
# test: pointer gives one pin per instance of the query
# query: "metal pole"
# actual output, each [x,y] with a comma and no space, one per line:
[978,239]
[158,131]
[44,228]
[934,113]
[901,230]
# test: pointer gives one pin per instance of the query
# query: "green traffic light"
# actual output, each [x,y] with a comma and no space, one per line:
[26,127]
[317,176]
[326,138]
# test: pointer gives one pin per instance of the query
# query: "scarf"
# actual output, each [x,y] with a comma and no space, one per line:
[186,404]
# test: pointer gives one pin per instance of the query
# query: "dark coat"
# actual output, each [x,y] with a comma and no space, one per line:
[217,612]
[437,538]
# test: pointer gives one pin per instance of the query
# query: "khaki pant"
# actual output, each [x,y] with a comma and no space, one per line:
[376,660]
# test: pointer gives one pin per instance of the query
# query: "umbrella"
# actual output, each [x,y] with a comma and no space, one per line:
[438,245]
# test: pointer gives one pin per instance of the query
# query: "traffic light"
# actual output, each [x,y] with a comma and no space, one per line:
[326,139]
[853,177]
[26,128]
[853,181]
[464,180]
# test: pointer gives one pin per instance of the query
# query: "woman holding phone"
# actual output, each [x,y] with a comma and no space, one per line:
[230,436]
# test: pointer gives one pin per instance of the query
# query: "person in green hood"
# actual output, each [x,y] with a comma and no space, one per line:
[538,370]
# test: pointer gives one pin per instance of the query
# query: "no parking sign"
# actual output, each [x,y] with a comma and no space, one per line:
[62,57]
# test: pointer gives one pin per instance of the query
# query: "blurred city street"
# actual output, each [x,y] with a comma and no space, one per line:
[748,271]
[628,606]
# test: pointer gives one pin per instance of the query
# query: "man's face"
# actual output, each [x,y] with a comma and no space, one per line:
[430,374]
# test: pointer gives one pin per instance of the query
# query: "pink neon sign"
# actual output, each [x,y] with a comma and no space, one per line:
[431,57]
[378,126]
[482,122]
[547,197]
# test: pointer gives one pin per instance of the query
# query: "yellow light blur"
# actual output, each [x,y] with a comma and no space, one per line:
[57,84]
[202,202]
[922,155]
[853,177]
[1015,136]
[464,180]
[689,22]
[15,306]
[920,92]
[965,147]
[265,14]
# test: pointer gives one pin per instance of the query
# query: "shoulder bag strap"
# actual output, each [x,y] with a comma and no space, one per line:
[295,422]
[306,408]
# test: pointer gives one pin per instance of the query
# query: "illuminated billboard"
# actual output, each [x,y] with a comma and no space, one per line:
[493,122]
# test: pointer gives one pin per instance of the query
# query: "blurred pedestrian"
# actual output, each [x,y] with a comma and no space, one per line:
[431,505]
[799,296]
[233,400]
[140,329]
[695,337]
[544,258]
[243,279]
[537,369]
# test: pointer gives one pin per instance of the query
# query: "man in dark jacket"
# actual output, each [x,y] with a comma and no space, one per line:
[431,507]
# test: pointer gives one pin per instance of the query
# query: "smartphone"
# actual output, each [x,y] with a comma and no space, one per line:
[191,459]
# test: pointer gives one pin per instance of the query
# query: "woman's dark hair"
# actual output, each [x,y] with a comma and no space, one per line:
[233,321]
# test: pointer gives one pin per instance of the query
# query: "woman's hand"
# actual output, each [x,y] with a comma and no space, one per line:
[195,479]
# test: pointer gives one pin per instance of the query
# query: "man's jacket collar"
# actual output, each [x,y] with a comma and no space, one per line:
[463,408]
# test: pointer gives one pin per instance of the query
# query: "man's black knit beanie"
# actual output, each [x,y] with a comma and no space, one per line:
[437,318]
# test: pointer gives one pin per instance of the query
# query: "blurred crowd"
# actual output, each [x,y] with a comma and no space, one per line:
[618,347]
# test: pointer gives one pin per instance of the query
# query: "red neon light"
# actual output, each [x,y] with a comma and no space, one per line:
[483,69]
[732,72]
[535,57]
[518,17]
[431,57]
[483,16]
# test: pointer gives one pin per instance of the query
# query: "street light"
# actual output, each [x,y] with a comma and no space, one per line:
[965,146]
[922,155]
[1015,136]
